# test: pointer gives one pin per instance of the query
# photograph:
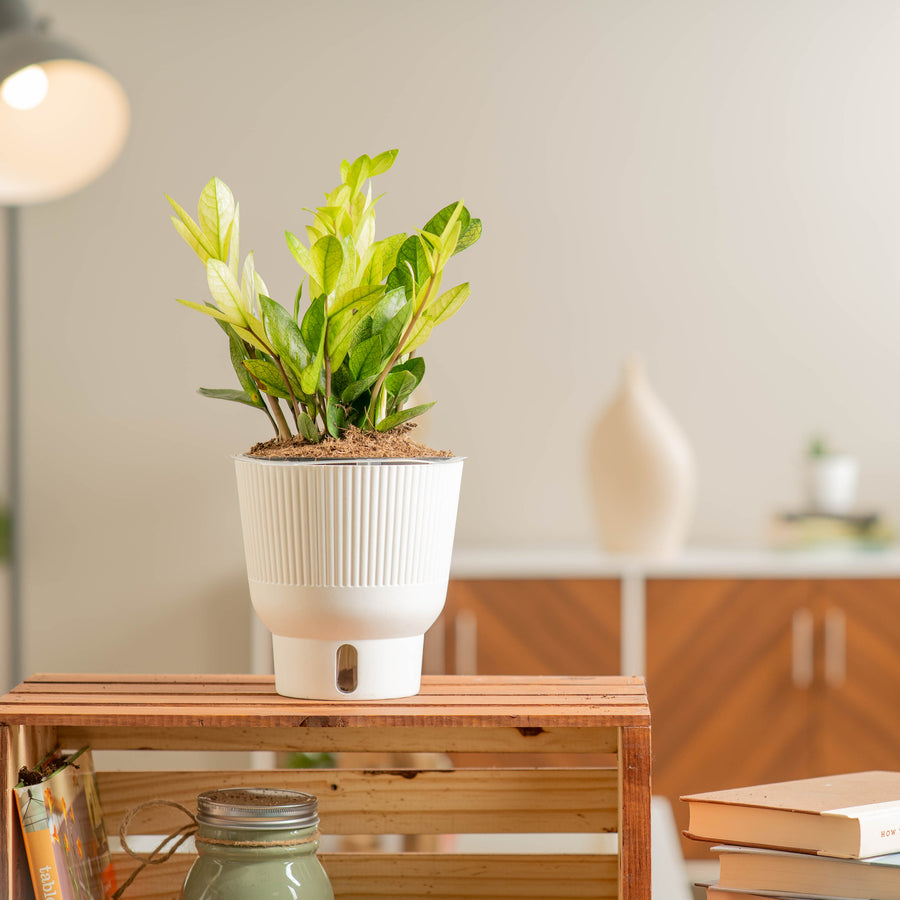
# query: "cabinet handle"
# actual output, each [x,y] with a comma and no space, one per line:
[466,632]
[835,647]
[802,659]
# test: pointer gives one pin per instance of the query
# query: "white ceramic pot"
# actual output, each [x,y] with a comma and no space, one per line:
[348,564]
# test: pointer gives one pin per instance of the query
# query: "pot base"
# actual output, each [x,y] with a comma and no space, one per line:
[382,669]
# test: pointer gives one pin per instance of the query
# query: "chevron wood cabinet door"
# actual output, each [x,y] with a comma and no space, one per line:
[545,626]
[759,680]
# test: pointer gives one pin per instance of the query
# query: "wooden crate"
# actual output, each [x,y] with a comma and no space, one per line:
[512,715]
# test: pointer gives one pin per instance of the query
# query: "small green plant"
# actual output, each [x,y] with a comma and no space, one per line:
[350,359]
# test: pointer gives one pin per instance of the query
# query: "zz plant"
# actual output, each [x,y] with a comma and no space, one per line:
[350,359]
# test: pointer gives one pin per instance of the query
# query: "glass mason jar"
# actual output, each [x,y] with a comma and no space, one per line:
[257,843]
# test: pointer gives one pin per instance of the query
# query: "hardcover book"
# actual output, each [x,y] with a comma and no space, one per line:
[65,838]
[852,815]
[759,871]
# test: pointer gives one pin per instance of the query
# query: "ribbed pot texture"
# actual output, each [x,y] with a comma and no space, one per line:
[348,555]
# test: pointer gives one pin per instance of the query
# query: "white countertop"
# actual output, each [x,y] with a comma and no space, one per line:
[695,562]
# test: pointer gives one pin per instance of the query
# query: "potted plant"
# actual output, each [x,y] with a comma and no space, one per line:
[832,479]
[348,523]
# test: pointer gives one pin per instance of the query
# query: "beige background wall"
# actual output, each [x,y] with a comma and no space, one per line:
[713,184]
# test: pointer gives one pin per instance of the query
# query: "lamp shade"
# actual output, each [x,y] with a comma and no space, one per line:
[63,119]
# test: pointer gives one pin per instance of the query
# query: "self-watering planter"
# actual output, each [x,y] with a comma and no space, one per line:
[348,564]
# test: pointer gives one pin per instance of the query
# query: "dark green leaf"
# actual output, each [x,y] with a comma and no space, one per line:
[398,418]
[308,428]
[229,394]
[366,358]
[284,335]
[437,222]
[394,330]
[312,328]
[399,386]
[357,388]
[335,418]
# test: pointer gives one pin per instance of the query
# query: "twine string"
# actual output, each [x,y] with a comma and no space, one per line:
[162,853]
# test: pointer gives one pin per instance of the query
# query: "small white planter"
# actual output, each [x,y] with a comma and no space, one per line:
[833,480]
[348,564]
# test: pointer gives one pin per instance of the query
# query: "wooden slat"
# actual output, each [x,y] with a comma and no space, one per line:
[241,701]
[366,876]
[316,740]
[461,801]
[634,813]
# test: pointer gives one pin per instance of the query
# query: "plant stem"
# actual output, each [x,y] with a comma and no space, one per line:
[284,432]
[294,407]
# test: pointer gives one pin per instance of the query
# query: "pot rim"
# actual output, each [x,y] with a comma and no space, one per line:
[351,461]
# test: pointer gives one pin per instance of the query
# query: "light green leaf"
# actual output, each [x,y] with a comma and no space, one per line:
[359,297]
[216,213]
[447,304]
[234,242]
[382,162]
[358,173]
[246,335]
[191,232]
[420,333]
[327,257]
[404,415]
[213,311]
[298,251]
[224,289]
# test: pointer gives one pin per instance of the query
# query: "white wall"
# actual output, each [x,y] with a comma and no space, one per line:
[713,184]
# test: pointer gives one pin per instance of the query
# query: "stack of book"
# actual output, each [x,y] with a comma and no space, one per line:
[822,531]
[836,837]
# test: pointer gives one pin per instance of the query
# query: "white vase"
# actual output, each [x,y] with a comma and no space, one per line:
[642,471]
[348,565]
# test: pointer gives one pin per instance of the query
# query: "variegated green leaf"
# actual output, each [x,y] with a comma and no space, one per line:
[213,311]
[225,290]
[326,257]
[468,236]
[216,213]
[191,232]
[358,298]
[268,376]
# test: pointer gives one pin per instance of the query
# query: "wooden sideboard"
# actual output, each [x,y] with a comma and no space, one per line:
[759,666]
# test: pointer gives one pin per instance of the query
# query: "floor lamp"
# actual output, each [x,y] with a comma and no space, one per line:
[63,120]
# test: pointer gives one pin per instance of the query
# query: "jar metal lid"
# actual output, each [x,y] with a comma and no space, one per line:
[257,808]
